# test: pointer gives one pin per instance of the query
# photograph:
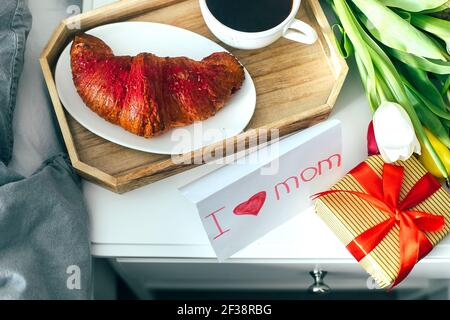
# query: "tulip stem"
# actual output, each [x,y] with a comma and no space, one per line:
[382,94]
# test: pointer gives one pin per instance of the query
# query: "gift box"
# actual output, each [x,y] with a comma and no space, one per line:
[389,216]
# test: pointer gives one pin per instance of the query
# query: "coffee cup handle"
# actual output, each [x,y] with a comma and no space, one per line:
[301,32]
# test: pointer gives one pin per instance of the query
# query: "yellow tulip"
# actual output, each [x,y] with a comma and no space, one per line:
[443,152]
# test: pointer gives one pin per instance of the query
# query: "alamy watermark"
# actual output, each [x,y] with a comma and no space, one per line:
[256,146]
[73,281]
[74,21]
[372,284]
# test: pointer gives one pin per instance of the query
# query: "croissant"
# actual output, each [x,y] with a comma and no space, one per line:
[149,95]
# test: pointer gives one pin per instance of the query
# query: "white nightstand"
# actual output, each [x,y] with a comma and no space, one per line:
[155,239]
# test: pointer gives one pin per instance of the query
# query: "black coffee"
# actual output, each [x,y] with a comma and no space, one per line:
[250,15]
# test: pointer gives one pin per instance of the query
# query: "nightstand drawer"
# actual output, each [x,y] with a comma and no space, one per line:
[181,275]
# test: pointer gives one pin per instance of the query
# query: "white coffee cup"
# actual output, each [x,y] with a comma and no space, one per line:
[290,28]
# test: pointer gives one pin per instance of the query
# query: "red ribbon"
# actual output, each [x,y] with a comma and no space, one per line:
[383,193]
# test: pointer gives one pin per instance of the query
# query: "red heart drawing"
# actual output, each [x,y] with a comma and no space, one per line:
[252,206]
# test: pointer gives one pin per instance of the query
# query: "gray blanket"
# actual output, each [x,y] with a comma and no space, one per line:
[44,239]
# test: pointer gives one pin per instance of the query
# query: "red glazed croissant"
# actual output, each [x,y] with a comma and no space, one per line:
[148,95]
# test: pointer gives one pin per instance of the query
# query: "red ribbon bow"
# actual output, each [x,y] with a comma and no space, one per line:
[383,193]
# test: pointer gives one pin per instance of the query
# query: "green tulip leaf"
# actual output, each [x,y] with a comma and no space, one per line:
[444,114]
[430,65]
[393,31]
[344,45]
[433,124]
[442,8]
[414,5]
[439,27]
[372,96]
[404,14]
[445,87]
[429,119]
[419,79]
[350,25]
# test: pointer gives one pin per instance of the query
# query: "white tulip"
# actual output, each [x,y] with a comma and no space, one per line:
[394,132]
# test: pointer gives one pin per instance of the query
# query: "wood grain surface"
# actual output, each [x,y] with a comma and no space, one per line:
[297,86]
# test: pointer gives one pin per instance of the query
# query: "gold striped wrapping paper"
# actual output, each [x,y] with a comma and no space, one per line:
[349,216]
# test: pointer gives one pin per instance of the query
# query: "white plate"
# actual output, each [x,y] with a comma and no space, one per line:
[131,38]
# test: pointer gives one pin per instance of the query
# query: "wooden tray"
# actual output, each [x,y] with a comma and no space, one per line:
[296,86]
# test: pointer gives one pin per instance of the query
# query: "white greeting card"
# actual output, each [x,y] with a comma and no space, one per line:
[241,202]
